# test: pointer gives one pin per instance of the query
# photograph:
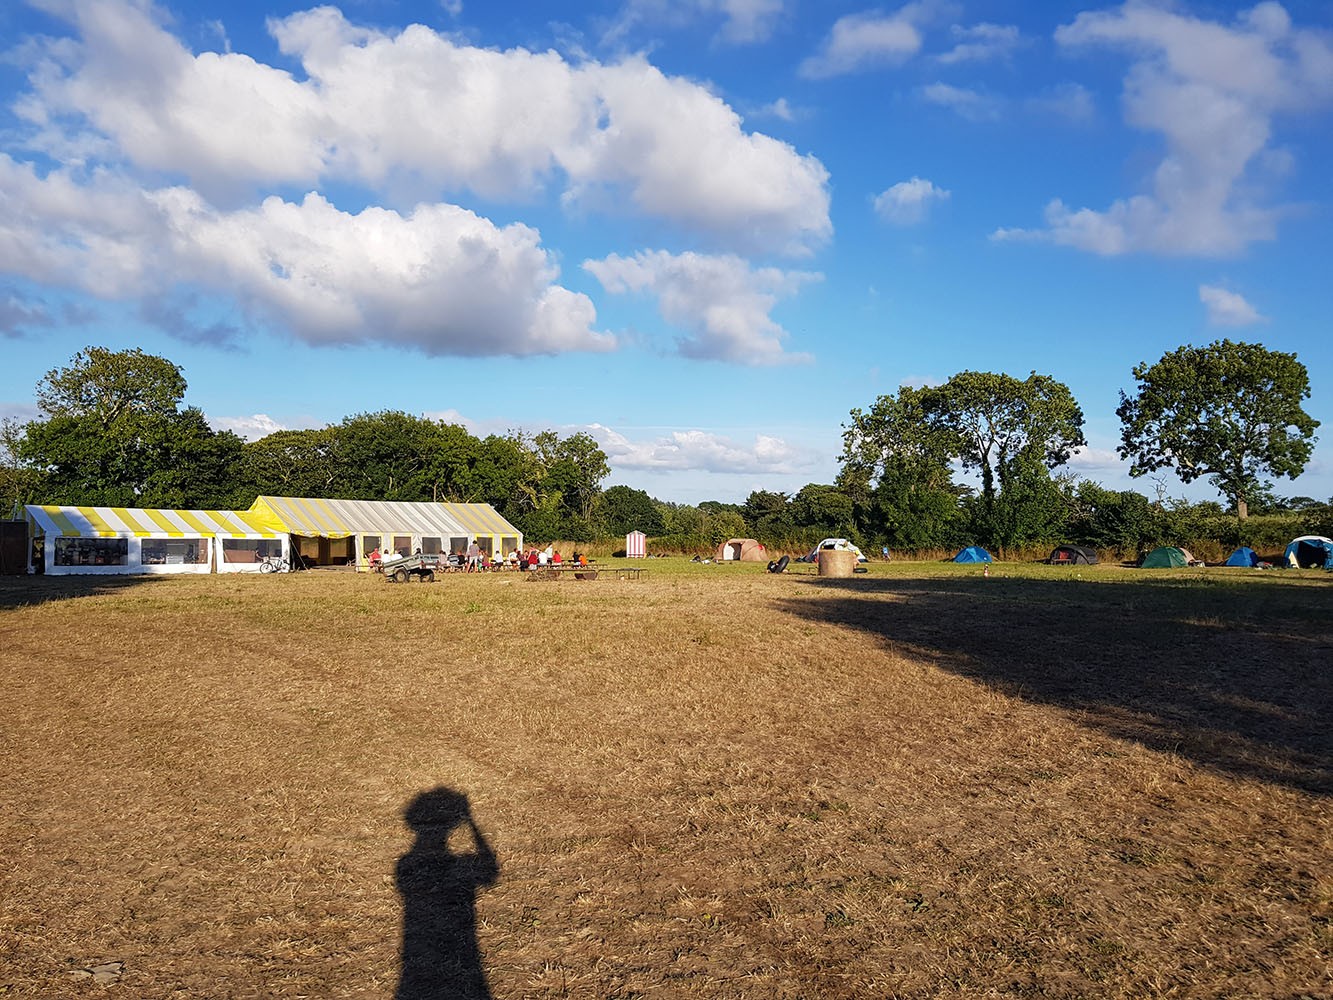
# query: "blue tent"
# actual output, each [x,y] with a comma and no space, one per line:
[973,553]
[1309,551]
[1243,557]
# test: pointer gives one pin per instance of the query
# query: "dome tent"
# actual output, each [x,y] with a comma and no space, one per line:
[1068,555]
[1309,551]
[1243,556]
[740,550]
[1165,557]
[972,554]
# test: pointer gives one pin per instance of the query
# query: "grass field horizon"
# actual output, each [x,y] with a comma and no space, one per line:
[713,782]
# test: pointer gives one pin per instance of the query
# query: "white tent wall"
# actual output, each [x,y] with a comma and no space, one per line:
[243,555]
[127,556]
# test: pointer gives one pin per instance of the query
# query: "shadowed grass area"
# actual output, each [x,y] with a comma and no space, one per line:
[713,782]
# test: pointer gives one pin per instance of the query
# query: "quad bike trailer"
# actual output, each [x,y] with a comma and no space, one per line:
[404,568]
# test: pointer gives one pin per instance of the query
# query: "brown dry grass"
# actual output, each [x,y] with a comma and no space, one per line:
[712,783]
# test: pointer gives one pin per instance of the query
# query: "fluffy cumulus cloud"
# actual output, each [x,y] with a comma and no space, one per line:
[439,279]
[700,451]
[908,202]
[251,428]
[723,301]
[417,110]
[1211,90]
[1227,308]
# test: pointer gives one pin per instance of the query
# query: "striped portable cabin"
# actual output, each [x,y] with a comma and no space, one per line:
[636,545]
[124,540]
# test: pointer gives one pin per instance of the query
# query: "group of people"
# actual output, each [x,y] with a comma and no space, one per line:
[475,559]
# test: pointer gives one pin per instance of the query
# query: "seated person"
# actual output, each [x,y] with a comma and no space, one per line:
[375,559]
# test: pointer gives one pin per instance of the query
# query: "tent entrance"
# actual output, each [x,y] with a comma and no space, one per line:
[320,550]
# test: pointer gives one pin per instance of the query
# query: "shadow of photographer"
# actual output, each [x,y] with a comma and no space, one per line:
[441,957]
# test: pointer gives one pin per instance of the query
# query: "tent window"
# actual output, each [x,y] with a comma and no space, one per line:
[508,543]
[92,551]
[402,544]
[485,543]
[174,551]
[369,543]
[250,550]
[430,546]
[458,545]
[308,547]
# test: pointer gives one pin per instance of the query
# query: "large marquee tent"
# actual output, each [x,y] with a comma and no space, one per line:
[341,532]
[301,531]
[122,540]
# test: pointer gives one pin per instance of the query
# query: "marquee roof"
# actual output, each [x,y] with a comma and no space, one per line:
[314,517]
[150,522]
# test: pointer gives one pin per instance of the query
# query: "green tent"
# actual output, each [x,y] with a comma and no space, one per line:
[1166,557]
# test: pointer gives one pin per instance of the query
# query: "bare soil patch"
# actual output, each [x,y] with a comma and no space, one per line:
[711,783]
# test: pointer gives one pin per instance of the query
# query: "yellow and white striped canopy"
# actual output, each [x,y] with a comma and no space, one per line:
[340,518]
[144,522]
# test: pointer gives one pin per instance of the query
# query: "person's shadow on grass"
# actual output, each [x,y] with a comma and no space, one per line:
[441,957]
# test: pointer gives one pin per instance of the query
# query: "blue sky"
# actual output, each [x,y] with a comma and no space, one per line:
[700,230]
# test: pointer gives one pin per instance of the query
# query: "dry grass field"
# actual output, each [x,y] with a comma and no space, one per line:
[710,783]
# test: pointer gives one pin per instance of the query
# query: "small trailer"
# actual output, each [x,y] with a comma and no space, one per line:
[404,568]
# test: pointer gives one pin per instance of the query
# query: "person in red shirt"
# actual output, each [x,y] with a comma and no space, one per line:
[555,558]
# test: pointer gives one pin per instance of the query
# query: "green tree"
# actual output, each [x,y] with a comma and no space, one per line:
[768,515]
[825,509]
[112,385]
[1228,411]
[895,471]
[20,483]
[625,509]
[577,468]
[114,435]
[292,463]
[1004,428]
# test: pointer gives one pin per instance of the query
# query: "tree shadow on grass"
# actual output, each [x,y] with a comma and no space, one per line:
[440,954]
[23,591]
[1234,677]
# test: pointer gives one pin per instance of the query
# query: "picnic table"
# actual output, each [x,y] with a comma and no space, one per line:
[589,572]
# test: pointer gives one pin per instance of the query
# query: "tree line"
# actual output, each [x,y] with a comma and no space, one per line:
[113,431]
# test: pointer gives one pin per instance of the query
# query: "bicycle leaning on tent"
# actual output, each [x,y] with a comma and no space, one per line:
[274,564]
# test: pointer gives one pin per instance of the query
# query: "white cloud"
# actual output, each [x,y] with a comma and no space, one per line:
[418,111]
[920,381]
[1087,459]
[439,279]
[699,451]
[250,428]
[981,42]
[722,301]
[970,104]
[1212,91]
[743,21]
[1227,308]
[1071,101]
[780,109]
[861,41]
[907,202]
